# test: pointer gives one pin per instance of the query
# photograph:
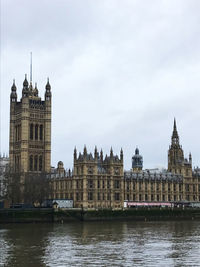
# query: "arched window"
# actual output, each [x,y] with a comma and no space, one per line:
[20,132]
[40,163]
[36,132]
[41,132]
[35,163]
[15,133]
[31,131]
[31,163]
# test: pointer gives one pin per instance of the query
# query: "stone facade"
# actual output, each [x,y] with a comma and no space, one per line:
[30,130]
[96,182]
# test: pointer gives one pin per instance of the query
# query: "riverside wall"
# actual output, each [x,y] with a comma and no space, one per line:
[71,215]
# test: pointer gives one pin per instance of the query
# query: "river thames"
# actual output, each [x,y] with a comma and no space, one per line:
[101,244]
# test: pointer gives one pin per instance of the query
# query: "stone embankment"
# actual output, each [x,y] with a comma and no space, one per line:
[61,216]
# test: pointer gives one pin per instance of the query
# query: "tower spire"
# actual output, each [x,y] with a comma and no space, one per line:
[175,137]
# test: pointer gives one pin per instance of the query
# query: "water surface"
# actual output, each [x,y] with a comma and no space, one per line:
[100,244]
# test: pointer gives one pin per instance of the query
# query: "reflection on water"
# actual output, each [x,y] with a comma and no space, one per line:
[101,244]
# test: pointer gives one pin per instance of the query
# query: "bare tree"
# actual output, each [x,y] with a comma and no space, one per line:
[29,188]
[14,190]
[37,188]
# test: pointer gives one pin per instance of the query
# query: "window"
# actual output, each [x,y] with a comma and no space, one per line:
[117,184]
[187,187]
[40,163]
[77,196]
[174,187]
[99,196]
[146,197]
[31,131]
[140,197]
[31,163]
[157,187]
[140,186]
[169,198]
[146,186]
[163,197]
[152,198]
[133,186]
[168,187]
[41,132]
[35,163]
[36,132]
[90,184]
[90,196]
[158,199]
[108,184]
[151,186]
[133,197]
[163,187]
[127,186]
[194,188]
[15,133]
[98,184]
[127,197]
[103,184]
[117,196]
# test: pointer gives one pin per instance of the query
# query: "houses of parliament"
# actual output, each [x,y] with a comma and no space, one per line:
[96,180]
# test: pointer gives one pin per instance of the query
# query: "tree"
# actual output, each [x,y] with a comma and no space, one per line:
[29,188]
[37,188]
[13,187]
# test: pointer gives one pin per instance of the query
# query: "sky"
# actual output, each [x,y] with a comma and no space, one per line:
[120,71]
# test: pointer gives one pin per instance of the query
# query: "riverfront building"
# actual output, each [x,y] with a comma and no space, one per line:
[96,181]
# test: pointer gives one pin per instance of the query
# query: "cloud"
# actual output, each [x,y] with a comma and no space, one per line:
[120,72]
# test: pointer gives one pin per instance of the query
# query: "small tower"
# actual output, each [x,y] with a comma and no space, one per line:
[137,161]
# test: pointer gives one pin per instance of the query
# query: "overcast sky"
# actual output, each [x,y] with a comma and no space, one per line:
[120,71]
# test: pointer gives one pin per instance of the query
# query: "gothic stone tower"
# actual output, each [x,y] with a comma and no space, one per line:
[30,130]
[176,161]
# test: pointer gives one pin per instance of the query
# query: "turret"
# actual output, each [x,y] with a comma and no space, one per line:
[111,153]
[75,154]
[25,91]
[13,95]
[35,90]
[137,161]
[85,151]
[101,155]
[190,158]
[121,155]
[48,91]
[95,153]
